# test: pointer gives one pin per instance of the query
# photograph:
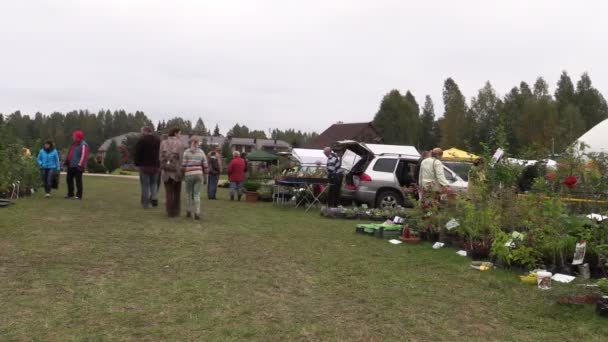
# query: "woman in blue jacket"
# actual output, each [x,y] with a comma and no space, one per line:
[48,161]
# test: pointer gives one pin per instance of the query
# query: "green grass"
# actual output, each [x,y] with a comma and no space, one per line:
[104,269]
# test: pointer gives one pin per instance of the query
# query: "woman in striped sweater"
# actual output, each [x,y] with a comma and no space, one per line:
[195,166]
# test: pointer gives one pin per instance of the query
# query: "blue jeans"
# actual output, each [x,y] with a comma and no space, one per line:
[193,193]
[149,188]
[212,186]
[236,187]
[47,179]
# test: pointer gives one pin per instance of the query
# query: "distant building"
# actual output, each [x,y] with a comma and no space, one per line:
[362,132]
[236,144]
[120,140]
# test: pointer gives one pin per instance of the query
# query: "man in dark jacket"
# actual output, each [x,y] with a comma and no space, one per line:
[335,177]
[146,158]
[214,175]
[75,162]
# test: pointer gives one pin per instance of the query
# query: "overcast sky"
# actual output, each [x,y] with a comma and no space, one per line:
[284,63]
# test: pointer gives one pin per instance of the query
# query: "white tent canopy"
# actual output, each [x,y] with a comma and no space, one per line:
[394,149]
[596,138]
[306,156]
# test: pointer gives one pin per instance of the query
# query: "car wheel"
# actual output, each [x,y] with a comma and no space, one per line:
[388,199]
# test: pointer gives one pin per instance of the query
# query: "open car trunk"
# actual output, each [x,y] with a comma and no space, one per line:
[355,157]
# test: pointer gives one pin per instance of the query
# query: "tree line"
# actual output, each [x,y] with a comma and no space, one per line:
[530,121]
[32,131]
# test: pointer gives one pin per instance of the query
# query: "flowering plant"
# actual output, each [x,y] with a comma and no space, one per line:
[570,182]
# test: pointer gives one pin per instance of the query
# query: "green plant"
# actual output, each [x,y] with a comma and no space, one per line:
[252,185]
[94,167]
[603,285]
[478,223]
[14,166]
[112,158]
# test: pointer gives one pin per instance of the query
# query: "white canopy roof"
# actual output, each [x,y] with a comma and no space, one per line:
[596,138]
[307,156]
[393,149]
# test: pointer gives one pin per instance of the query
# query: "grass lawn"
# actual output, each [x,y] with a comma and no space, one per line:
[104,269]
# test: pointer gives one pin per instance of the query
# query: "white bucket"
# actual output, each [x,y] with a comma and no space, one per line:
[544,280]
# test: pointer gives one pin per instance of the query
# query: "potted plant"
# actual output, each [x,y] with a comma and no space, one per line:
[409,235]
[251,190]
[602,303]
[478,226]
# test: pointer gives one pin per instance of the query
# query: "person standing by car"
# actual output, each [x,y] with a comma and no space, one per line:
[48,161]
[146,159]
[214,175]
[432,177]
[335,177]
[236,175]
[195,165]
[75,162]
[171,154]
[423,156]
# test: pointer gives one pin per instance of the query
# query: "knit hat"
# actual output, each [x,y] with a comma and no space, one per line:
[78,135]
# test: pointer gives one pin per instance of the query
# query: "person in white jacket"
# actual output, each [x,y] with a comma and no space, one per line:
[432,176]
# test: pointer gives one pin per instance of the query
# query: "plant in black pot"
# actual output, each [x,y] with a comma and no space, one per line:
[602,303]
[251,190]
[478,225]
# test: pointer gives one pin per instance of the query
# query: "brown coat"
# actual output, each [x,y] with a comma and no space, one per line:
[172,148]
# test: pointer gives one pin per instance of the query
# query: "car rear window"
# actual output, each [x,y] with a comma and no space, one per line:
[385,165]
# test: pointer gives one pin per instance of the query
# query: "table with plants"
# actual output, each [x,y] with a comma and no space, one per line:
[301,187]
[535,235]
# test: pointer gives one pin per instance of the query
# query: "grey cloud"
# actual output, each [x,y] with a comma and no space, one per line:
[284,63]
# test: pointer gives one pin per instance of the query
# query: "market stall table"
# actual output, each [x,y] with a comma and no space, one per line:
[304,184]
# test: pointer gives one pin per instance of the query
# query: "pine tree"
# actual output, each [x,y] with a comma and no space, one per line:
[572,126]
[454,124]
[396,120]
[216,131]
[541,88]
[590,102]
[564,93]
[226,152]
[428,138]
[483,118]
[112,158]
[413,118]
[199,128]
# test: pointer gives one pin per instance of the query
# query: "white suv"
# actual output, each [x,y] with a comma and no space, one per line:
[376,174]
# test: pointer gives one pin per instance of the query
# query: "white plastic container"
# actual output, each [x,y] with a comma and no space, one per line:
[544,280]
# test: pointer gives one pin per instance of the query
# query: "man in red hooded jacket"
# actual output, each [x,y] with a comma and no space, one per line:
[236,175]
[76,162]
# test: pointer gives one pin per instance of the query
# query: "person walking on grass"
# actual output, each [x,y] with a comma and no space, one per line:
[163,137]
[75,162]
[195,166]
[236,175]
[146,159]
[214,175]
[48,161]
[171,154]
